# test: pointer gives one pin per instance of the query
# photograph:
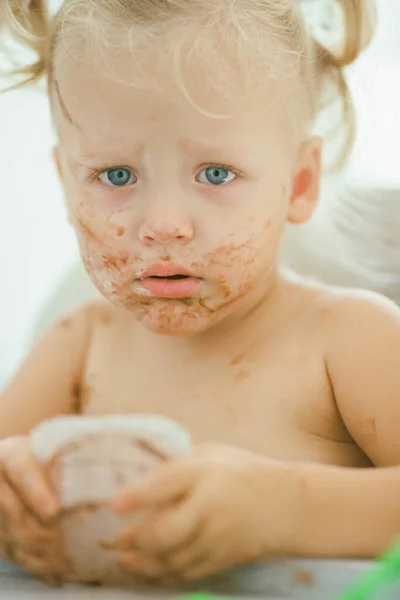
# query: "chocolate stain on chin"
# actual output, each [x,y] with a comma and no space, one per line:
[173,318]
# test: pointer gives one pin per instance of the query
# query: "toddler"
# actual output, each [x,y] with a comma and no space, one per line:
[185,144]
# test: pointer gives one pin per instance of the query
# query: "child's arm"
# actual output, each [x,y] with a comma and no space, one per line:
[345,513]
[47,385]
[48,382]
[349,512]
[363,363]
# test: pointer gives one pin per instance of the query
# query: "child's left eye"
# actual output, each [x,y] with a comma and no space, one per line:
[119,177]
[216,175]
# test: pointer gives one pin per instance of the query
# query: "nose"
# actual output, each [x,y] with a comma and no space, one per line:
[165,232]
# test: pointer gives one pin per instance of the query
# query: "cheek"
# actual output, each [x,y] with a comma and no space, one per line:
[101,239]
[248,253]
[99,224]
[252,241]
[241,262]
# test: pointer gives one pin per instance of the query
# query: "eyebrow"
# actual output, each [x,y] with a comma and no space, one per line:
[64,109]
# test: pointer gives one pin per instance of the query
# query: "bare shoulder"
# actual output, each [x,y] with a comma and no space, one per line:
[335,306]
[358,325]
[354,307]
[47,383]
[78,326]
[342,311]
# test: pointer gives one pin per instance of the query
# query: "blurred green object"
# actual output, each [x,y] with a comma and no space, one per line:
[199,596]
[385,572]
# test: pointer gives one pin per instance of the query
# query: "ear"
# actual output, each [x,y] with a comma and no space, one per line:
[306,182]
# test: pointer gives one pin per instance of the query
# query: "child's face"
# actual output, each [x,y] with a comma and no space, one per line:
[152,182]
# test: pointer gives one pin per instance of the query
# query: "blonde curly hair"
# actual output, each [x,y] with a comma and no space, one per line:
[189,27]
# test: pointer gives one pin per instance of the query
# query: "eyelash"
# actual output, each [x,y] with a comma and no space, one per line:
[103,169]
[230,168]
[95,175]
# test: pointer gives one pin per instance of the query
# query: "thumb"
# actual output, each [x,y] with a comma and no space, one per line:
[168,483]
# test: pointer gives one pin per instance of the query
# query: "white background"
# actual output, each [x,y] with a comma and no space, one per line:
[36,243]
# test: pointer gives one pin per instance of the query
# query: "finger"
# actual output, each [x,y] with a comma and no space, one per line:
[170,482]
[146,567]
[148,570]
[21,525]
[27,477]
[43,549]
[11,506]
[162,533]
[55,565]
[202,558]
[209,556]
[10,510]
[11,513]
[188,557]
[16,515]
[199,571]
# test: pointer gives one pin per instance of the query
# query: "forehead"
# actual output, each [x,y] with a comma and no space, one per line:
[111,101]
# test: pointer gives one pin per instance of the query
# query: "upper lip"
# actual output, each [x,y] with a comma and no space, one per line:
[165,270]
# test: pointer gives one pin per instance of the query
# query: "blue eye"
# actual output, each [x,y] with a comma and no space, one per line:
[119,177]
[216,175]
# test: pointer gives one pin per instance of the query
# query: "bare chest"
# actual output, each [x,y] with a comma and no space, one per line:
[279,404]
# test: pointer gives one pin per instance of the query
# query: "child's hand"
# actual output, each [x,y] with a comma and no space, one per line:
[28,511]
[216,509]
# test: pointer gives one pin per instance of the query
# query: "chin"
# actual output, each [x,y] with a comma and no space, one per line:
[184,328]
[172,317]
[175,320]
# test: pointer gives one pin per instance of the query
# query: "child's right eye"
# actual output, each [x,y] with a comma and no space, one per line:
[118,177]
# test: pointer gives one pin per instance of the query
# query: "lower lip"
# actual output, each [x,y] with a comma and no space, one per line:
[170,288]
